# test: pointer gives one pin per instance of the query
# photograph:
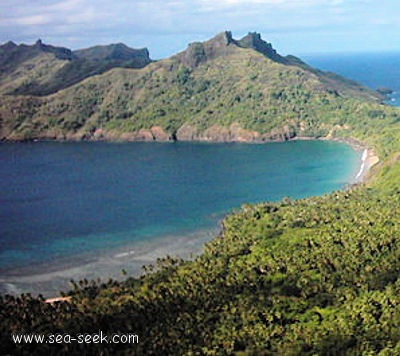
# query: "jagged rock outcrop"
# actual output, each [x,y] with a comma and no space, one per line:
[59,52]
[199,52]
[220,45]
[253,40]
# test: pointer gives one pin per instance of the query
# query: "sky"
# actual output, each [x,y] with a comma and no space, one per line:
[166,27]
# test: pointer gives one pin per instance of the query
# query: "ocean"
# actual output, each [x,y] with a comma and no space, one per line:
[375,70]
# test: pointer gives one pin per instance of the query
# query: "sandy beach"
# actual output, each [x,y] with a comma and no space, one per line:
[368,158]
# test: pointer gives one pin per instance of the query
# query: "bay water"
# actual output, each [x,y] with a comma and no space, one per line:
[75,210]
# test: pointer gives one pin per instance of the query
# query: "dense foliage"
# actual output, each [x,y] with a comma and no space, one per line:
[315,276]
[318,276]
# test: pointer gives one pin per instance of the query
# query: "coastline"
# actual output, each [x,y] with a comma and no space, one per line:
[50,280]
[369,157]
[368,160]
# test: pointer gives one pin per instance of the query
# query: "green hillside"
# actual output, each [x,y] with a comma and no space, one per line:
[318,276]
[197,94]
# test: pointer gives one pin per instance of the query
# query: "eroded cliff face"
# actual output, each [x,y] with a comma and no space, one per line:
[233,133]
[215,133]
[155,133]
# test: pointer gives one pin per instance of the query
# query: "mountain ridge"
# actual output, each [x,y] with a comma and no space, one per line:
[218,90]
[42,69]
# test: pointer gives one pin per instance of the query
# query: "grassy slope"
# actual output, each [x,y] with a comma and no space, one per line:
[314,276]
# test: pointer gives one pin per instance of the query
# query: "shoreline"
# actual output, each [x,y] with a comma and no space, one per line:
[50,279]
[369,158]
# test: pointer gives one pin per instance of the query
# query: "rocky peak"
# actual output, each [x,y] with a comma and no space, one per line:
[199,52]
[253,40]
[59,52]
[224,38]
[221,44]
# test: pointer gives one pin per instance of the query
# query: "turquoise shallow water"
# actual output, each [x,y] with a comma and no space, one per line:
[68,201]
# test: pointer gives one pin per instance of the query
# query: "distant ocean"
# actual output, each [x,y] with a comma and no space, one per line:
[75,210]
[375,70]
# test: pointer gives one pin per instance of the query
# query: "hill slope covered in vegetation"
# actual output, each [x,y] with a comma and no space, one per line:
[219,90]
[318,276]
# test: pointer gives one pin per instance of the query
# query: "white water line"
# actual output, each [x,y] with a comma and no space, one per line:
[363,161]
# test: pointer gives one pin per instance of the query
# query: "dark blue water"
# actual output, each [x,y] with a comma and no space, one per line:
[375,70]
[65,199]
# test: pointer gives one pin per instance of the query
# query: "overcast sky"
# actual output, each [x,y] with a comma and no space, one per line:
[167,26]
